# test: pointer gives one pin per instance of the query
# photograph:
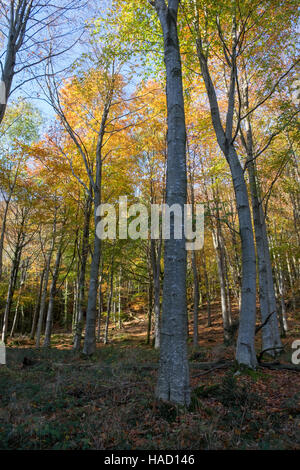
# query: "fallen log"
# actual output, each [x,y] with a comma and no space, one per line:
[279,366]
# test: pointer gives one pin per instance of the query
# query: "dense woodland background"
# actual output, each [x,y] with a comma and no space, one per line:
[88,118]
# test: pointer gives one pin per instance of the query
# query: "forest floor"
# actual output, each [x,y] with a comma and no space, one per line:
[55,399]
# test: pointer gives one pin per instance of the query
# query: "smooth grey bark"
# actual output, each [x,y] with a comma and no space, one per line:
[114,311]
[281,288]
[196,300]
[155,249]
[37,305]
[196,280]
[207,289]
[45,286]
[173,375]
[100,304]
[66,298]
[235,266]
[81,282]
[24,269]
[109,303]
[228,301]
[150,309]
[245,351]
[271,287]
[291,281]
[220,255]
[75,302]
[91,313]
[219,246]
[49,319]
[270,332]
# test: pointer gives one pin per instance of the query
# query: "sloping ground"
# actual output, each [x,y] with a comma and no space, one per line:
[57,400]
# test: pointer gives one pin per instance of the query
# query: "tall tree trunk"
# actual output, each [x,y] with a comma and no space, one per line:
[155,249]
[12,285]
[22,283]
[245,351]
[291,281]
[196,300]
[109,303]
[281,287]
[66,295]
[173,375]
[45,287]
[150,308]
[75,305]
[81,283]
[37,305]
[207,288]
[49,319]
[270,332]
[100,304]
[220,253]
[91,313]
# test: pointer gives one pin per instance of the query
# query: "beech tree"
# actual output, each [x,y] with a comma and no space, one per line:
[173,377]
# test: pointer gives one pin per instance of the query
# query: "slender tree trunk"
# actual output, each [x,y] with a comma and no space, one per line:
[150,308]
[12,283]
[270,332]
[22,283]
[155,249]
[100,304]
[220,253]
[227,291]
[37,305]
[66,295]
[75,308]
[236,269]
[91,314]
[49,319]
[3,228]
[291,280]
[90,330]
[109,303]
[81,283]
[45,287]
[282,297]
[207,288]
[196,300]
[245,351]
